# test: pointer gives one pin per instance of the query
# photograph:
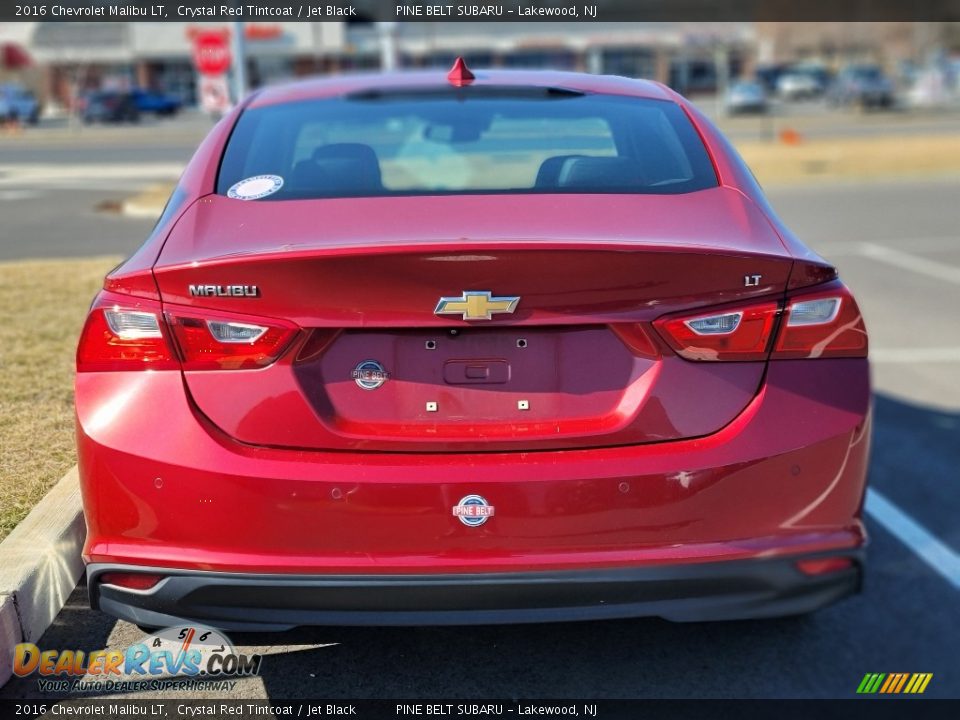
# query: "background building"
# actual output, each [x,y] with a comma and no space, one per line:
[74,57]
[69,58]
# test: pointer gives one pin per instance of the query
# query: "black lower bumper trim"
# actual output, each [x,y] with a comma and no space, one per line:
[724,590]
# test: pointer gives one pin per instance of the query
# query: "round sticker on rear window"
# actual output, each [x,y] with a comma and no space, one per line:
[256,187]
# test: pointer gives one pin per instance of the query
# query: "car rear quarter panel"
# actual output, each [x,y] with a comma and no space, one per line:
[809,267]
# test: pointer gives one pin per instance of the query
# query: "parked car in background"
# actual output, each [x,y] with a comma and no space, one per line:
[746,97]
[109,106]
[798,86]
[154,101]
[820,74]
[865,86]
[769,75]
[930,87]
[18,103]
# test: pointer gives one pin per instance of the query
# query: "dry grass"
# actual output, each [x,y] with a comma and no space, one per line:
[42,307]
[853,159]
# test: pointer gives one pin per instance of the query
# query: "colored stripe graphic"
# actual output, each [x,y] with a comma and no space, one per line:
[918,683]
[894,683]
[870,683]
[892,680]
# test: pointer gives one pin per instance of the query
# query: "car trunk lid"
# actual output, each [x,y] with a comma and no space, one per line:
[576,363]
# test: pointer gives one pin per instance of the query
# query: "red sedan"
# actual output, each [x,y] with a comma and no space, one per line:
[428,348]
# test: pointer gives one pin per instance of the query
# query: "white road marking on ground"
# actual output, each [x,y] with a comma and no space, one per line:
[914,263]
[915,355]
[840,248]
[18,194]
[124,186]
[45,175]
[915,244]
[908,531]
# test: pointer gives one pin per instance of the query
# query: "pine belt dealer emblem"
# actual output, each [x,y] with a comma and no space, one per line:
[369,375]
[473,510]
[476,305]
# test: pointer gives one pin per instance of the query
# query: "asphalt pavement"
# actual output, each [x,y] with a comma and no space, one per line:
[897,244]
[42,222]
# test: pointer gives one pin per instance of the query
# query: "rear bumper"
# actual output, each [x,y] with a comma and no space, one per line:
[692,592]
[605,532]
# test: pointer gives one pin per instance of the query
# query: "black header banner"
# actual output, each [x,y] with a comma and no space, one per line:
[152,709]
[505,11]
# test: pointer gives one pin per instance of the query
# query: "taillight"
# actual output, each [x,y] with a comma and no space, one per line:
[738,333]
[228,343]
[130,333]
[821,323]
[824,323]
[124,333]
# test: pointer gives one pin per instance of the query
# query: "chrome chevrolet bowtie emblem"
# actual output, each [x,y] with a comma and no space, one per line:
[476,305]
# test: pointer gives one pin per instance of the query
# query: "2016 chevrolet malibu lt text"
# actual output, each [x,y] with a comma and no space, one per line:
[470,348]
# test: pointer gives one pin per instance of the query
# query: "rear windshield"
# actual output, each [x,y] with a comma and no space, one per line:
[473,140]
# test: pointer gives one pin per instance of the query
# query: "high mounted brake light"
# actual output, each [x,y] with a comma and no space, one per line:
[820,323]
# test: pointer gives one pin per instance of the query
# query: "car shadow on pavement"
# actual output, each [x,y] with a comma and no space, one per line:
[899,623]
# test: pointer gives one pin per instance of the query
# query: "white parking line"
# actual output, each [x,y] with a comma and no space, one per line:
[845,248]
[42,188]
[89,174]
[13,195]
[914,263]
[908,531]
[909,356]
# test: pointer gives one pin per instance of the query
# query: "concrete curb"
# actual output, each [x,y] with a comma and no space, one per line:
[40,565]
